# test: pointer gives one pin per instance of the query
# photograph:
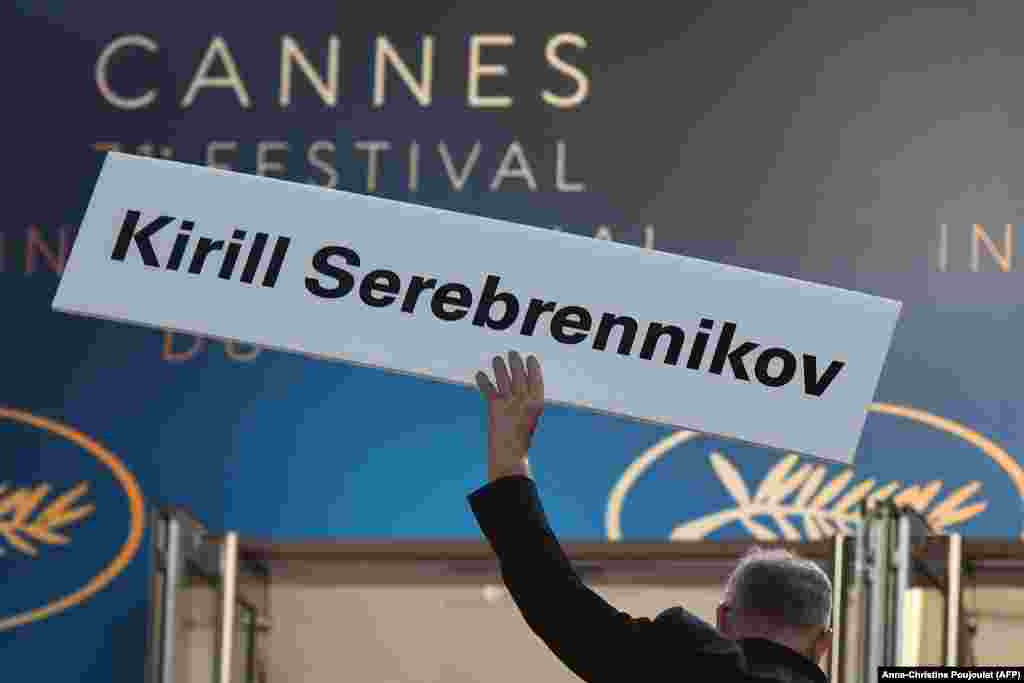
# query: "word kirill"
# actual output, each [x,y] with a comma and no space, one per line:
[453,301]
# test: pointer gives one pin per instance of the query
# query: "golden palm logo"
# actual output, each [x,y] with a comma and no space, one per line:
[825,508]
[25,526]
[794,495]
[37,517]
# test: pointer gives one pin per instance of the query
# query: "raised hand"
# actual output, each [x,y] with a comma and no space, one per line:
[514,408]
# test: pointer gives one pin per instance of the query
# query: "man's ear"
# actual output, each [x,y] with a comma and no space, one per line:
[823,645]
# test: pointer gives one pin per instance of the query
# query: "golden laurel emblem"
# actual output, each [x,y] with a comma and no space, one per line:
[29,522]
[823,506]
[23,524]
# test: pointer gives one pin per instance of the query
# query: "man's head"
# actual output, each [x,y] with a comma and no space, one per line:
[776,595]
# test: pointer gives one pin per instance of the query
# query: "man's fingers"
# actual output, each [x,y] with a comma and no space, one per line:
[486,388]
[502,377]
[520,387]
[515,379]
[535,378]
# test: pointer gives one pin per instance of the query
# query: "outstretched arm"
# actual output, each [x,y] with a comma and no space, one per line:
[592,638]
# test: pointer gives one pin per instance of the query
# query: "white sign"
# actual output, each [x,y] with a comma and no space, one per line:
[619,329]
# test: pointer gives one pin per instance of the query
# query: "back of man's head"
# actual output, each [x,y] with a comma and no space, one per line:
[777,595]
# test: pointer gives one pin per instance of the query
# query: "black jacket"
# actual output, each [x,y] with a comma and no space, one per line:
[595,640]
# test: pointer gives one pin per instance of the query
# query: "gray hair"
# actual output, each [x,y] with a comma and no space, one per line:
[782,585]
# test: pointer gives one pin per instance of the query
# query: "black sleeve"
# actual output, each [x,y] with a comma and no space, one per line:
[592,638]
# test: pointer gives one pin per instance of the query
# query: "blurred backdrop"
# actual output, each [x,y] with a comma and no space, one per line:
[865,145]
